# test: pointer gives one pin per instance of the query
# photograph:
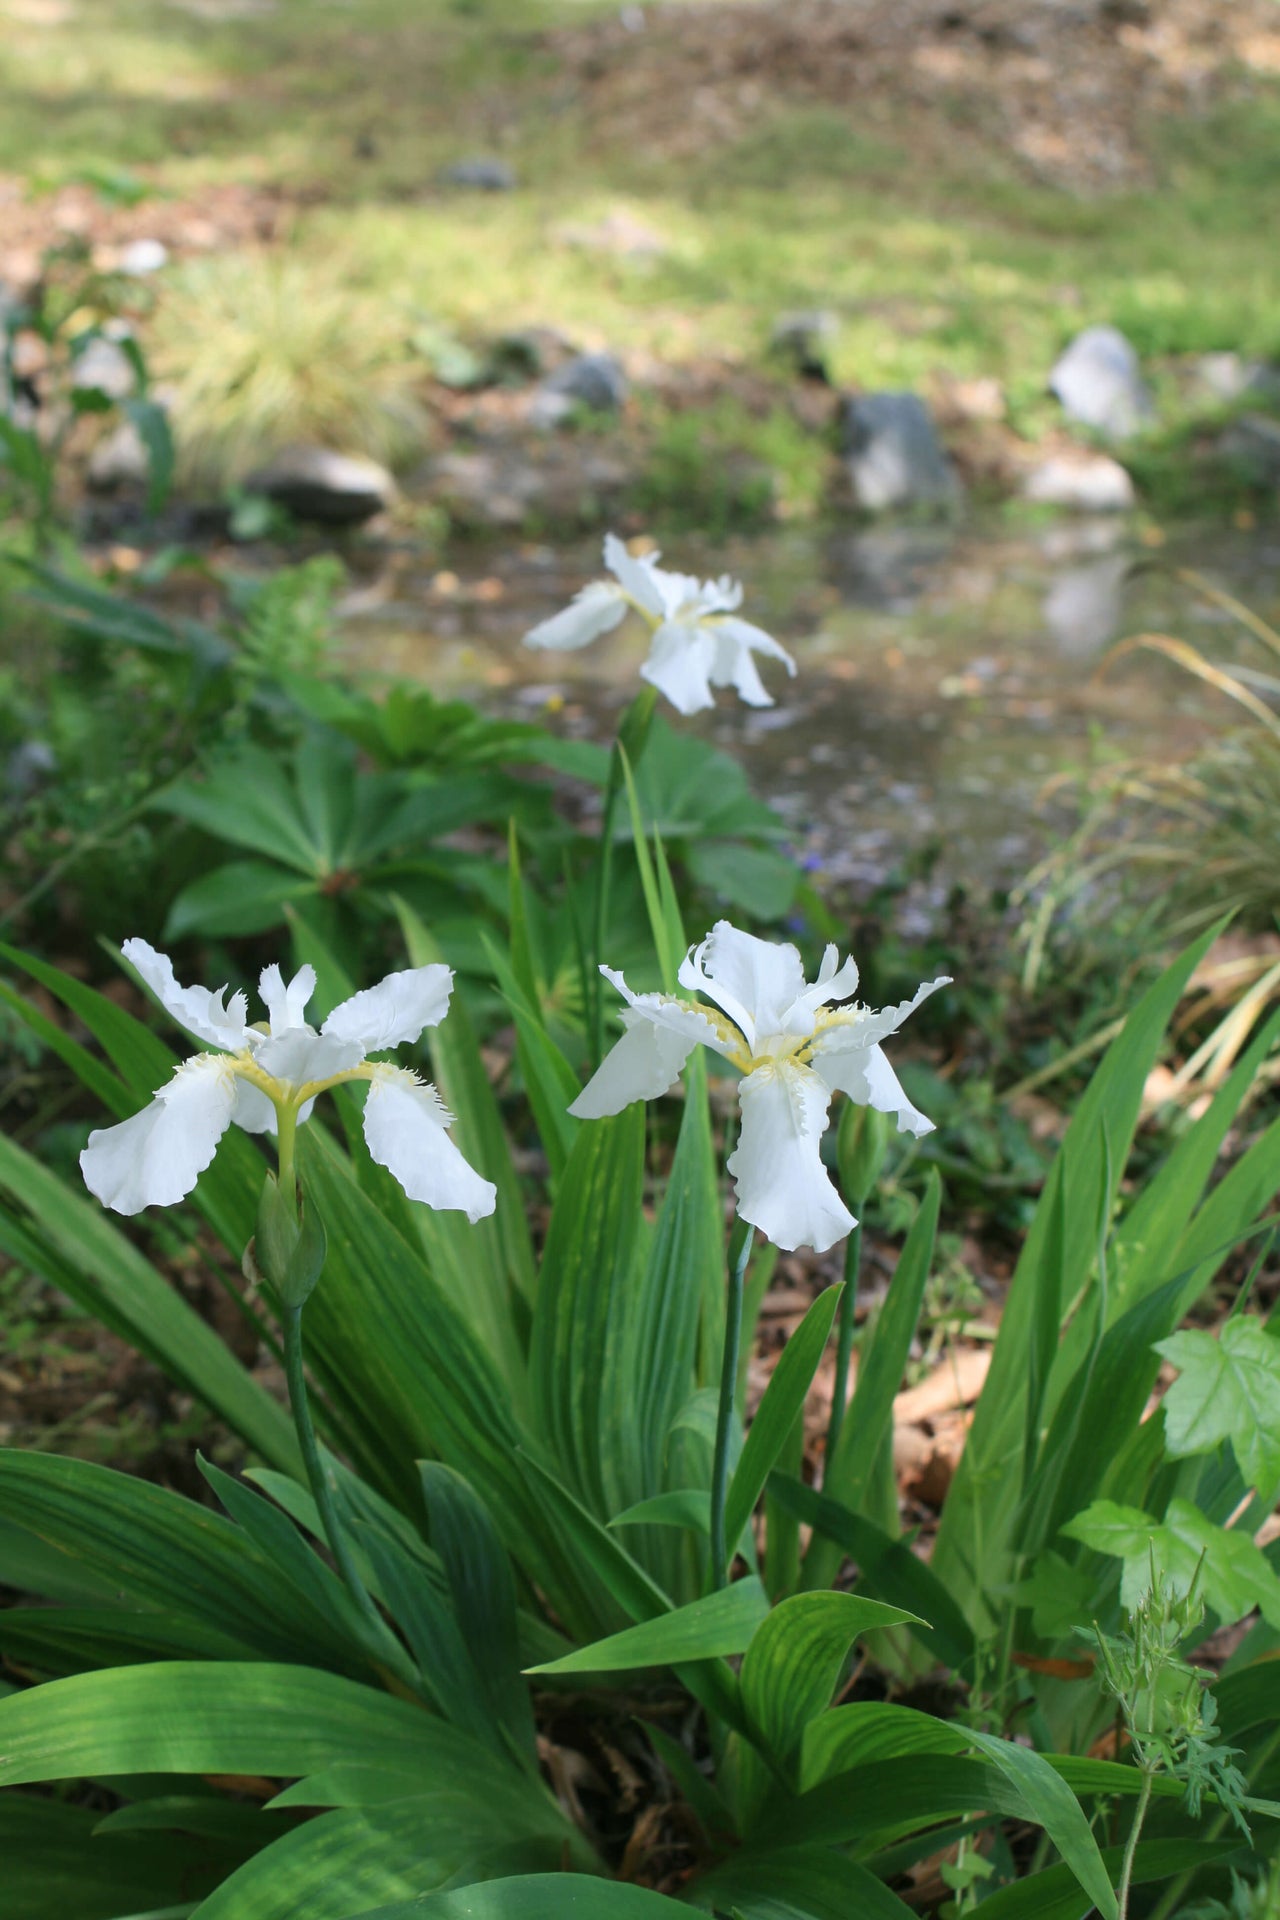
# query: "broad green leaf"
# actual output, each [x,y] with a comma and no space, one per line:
[482,1588]
[1228,1389]
[783,1401]
[972,1545]
[717,1625]
[156,1552]
[796,1883]
[590,1263]
[1053,1806]
[1235,1577]
[790,1669]
[236,899]
[247,798]
[688,1507]
[868,1426]
[331,1866]
[1056,1894]
[546,1896]
[460,1075]
[151,423]
[887,1568]
[633,1590]
[866,1730]
[224,1717]
[60,1865]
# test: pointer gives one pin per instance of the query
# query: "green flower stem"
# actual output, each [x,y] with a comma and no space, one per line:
[739,1254]
[633,735]
[844,1342]
[1131,1844]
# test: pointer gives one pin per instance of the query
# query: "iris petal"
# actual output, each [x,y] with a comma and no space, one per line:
[196,1009]
[679,665]
[155,1158]
[782,1186]
[396,1010]
[593,612]
[643,1065]
[406,1128]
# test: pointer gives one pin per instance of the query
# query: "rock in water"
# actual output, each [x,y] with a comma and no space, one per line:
[119,460]
[482,174]
[1252,445]
[1087,482]
[893,455]
[1098,382]
[593,380]
[333,489]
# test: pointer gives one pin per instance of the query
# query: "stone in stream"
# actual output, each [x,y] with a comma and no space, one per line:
[1252,445]
[1085,482]
[119,460]
[141,257]
[1082,607]
[481,173]
[893,455]
[592,380]
[801,341]
[1229,376]
[1099,384]
[104,367]
[333,489]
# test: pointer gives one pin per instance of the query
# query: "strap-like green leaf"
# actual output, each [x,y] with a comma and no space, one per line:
[776,1415]
[717,1625]
[792,1664]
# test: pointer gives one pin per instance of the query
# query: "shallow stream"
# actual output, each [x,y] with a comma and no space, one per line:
[944,675]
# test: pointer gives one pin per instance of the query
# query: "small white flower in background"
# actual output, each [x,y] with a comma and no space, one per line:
[698,640]
[795,1046]
[155,1158]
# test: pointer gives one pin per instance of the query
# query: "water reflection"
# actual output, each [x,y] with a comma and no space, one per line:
[945,675]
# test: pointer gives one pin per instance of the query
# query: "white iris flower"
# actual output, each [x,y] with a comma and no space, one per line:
[698,640]
[259,1072]
[795,1047]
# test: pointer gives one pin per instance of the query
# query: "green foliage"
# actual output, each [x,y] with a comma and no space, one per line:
[1227,1389]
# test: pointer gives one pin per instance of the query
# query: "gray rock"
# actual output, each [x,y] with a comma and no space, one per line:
[28,766]
[526,353]
[568,483]
[333,489]
[1252,444]
[482,174]
[893,455]
[1229,376]
[1082,607]
[104,367]
[802,340]
[1098,382]
[1085,482]
[119,460]
[593,380]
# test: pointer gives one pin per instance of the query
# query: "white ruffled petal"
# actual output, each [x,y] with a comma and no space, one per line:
[865,1075]
[286,1006]
[733,666]
[643,1065]
[201,1012]
[595,611]
[252,1109]
[397,1009]
[299,1056]
[405,1127]
[863,1026]
[679,665]
[782,1186]
[677,1016]
[757,982]
[754,639]
[155,1158]
[643,581]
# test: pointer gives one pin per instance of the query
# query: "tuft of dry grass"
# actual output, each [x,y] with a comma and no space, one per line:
[265,350]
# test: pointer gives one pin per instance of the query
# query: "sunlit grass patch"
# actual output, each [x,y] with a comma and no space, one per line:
[264,352]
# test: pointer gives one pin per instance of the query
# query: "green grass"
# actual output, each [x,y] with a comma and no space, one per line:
[935,256]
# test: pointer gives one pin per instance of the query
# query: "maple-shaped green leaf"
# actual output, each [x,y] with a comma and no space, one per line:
[1227,1389]
[1236,1576]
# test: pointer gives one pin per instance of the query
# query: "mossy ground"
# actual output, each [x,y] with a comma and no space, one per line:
[938,260]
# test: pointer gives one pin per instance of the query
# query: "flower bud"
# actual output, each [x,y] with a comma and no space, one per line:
[288,1250]
[860,1149]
